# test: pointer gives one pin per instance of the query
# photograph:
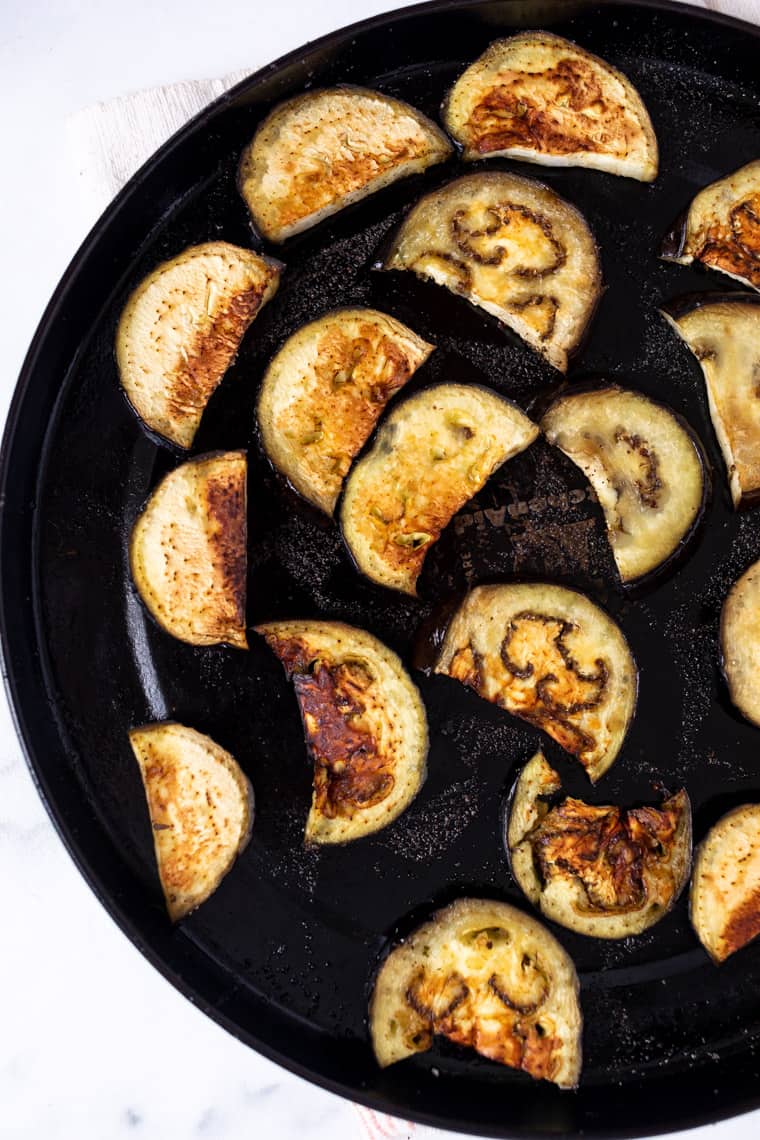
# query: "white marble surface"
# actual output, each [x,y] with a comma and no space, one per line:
[93,1042]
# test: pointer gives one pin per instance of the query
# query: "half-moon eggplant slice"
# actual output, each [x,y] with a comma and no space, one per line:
[432,453]
[721,228]
[606,872]
[550,656]
[723,332]
[201,810]
[541,98]
[187,551]
[512,247]
[181,328]
[645,465]
[324,392]
[364,722]
[487,976]
[740,643]
[725,886]
[323,150]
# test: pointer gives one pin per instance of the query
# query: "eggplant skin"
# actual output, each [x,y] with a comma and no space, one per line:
[487,976]
[724,902]
[364,722]
[645,464]
[323,150]
[431,454]
[723,332]
[721,228]
[181,328]
[512,247]
[324,392]
[187,551]
[603,872]
[540,98]
[547,654]
[201,810]
[740,643]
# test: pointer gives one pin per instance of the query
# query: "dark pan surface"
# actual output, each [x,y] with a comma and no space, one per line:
[283,953]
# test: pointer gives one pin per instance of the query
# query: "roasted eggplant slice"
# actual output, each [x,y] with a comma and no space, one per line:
[644,464]
[432,453]
[604,871]
[181,328]
[201,810]
[324,392]
[325,149]
[723,332]
[549,655]
[364,723]
[512,247]
[538,97]
[487,976]
[740,643]
[721,228]
[725,886]
[187,552]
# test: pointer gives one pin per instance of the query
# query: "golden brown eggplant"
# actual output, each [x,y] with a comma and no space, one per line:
[725,886]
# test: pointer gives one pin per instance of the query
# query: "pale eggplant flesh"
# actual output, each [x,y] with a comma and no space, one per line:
[487,976]
[187,551]
[201,810]
[431,454]
[723,332]
[740,643]
[645,465]
[549,655]
[602,871]
[181,328]
[540,98]
[512,247]
[324,392]
[364,722]
[321,151]
[725,887]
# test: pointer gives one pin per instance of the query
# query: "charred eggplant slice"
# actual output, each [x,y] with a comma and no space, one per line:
[201,810]
[644,464]
[723,332]
[324,392]
[432,453]
[512,247]
[721,228]
[181,328]
[725,886]
[187,551]
[740,643]
[321,151]
[364,723]
[550,656]
[606,872]
[541,98]
[487,976]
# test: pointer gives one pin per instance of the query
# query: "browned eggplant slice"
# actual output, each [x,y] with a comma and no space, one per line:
[723,332]
[541,98]
[725,886]
[645,465]
[606,872]
[187,551]
[721,228]
[364,722]
[201,810]
[432,453]
[488,976]
[512,247]
[324,392]
[181,328]
[549,655]
[323,150]
[740,643]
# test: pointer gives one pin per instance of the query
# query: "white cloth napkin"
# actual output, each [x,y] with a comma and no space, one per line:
[109,142]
